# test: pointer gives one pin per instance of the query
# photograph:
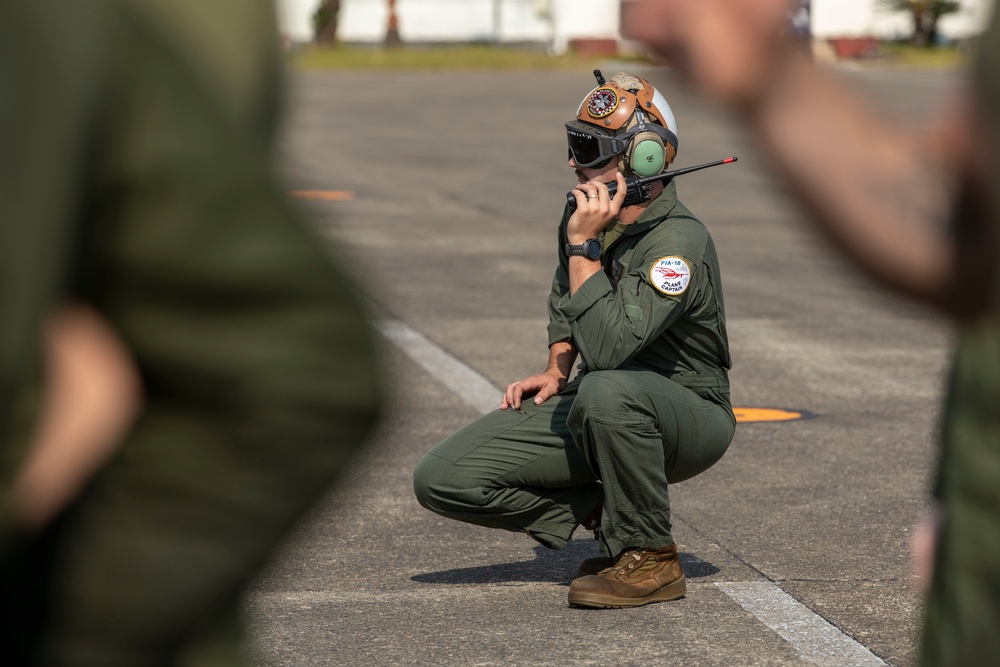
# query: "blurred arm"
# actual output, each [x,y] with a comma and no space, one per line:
[905,208]
[898,204]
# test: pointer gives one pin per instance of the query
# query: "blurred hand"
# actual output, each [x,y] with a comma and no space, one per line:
[727,48]
[92,397]
[923,544]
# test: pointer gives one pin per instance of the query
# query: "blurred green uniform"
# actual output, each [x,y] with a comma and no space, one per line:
[136,175]
[962,624]
[651,408]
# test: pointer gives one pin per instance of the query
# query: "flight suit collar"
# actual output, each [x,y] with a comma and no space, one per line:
[658,210]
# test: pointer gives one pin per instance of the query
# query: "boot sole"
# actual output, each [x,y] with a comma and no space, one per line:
[672,591]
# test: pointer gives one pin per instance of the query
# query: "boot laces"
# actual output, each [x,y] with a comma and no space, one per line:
[628,561]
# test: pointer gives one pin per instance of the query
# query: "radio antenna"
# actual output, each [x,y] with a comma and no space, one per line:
[637,189]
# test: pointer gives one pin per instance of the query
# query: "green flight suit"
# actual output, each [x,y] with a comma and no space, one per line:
[651,406]
[962,624]
[136,175]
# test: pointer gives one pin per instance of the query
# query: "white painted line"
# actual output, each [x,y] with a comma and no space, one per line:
[468,385]
[811,636]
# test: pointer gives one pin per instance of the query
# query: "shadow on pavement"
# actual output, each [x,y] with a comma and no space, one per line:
[548,566]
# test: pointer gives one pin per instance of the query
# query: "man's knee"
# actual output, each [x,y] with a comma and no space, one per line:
[428,477]
[444,488]
[604,391]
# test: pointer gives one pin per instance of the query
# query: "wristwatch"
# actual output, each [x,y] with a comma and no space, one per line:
[591,249]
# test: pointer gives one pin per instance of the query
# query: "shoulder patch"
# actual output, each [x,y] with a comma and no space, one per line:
[670,275]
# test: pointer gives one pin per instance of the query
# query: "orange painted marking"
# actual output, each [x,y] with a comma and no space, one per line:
[325,195]
[744,415]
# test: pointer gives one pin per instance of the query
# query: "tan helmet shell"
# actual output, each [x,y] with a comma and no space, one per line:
[613,104]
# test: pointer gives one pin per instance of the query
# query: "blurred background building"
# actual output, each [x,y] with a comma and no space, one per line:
[591,26]
[553,24]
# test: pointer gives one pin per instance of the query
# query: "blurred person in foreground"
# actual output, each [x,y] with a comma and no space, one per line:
[637,294]
[919,213]
[183,369]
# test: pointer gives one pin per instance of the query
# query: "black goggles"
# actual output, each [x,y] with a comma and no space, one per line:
[589,148]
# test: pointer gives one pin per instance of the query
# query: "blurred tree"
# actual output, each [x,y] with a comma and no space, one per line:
[324,21]
[925,14]
[392,38]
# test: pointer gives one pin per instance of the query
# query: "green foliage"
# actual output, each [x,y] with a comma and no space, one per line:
[934,7]
[458,57]
[907,55]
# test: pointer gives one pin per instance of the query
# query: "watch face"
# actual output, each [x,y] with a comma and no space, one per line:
[593,248]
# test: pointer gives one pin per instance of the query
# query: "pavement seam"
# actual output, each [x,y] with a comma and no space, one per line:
[813,637]
[774,582]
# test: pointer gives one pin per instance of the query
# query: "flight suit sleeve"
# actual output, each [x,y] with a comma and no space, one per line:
[610,325]
[559,326]
[246,328]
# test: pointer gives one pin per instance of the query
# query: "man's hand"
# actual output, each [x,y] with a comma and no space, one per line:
[728,48]
[923,545]
[595,208]
[543,386]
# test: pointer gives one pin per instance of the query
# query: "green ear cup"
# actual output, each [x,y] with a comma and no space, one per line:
[647,158]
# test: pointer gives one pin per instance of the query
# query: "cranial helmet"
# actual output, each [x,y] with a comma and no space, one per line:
[626,118]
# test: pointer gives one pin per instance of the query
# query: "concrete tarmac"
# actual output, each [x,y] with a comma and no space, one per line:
[795,544]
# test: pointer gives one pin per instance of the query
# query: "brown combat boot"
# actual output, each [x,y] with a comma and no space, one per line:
[639,577]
